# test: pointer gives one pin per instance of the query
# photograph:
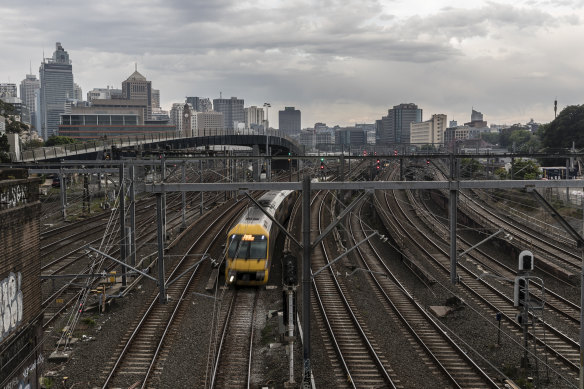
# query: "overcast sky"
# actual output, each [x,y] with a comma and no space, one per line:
[339,62]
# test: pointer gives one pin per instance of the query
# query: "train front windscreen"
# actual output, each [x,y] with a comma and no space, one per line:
[248,246]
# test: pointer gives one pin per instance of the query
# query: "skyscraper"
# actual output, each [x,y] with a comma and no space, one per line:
[77,92]
[200,104]
[56,76]
[232,110]
[155,98]
[28,87]
[136,87]
[289,120]
[396,125]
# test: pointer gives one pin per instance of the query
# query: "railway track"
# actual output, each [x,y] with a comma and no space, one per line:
[231,363]
[555,304]
[137,356]
[563,351]
[448,358]
[363,365]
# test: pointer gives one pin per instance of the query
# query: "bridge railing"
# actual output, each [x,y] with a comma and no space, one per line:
[62,151]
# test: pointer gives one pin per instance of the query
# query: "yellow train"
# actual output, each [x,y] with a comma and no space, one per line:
[250,242]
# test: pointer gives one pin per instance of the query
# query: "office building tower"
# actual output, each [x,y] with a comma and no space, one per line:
[208,123]
[77,92]
[56,76]
[155,98]
[232,110]
[136,87]
[254,117]
[104,94]
[350,136]
[476,120]
[28,87]
[7,90]
[289,121]
[200,104]
[396,125]
[430,132]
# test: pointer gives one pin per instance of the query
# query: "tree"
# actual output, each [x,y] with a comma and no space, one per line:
[33,144]
[56,140]
[469,167]
[566,128]
[13,126]
[525,169]
[490,137]
[4,148]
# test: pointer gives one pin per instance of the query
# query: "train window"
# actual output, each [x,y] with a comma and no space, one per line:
[248,246]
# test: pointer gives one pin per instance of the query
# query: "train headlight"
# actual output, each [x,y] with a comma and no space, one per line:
[260,275]
[232,275]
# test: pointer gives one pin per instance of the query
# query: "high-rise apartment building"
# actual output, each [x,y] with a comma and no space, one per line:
[430,132]
[7,90]
[289,121]
[29,88]
[56,76]
[396,125]
[254,117]
[232,110]
[136,87]
[200,104]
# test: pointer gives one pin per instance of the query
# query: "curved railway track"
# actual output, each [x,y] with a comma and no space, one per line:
[451,360]
[563,350]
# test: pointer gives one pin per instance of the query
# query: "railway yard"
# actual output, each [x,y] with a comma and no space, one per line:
[385,315]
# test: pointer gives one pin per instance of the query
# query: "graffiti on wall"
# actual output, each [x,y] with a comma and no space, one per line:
[27,376]
[10,304]
[12,196]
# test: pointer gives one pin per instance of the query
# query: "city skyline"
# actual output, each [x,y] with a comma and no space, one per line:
[338,63]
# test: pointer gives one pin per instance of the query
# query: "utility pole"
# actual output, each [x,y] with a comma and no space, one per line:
[132,237]
[184,197]
[306,280]
[122,208]
[63,189]
[453,201]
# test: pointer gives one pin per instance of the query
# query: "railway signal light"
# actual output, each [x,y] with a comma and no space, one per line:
[427,162]
[519,289]
[526,260]
[395,152]
[321,165]
[378,164]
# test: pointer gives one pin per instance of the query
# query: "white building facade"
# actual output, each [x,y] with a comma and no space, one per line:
[430,132]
